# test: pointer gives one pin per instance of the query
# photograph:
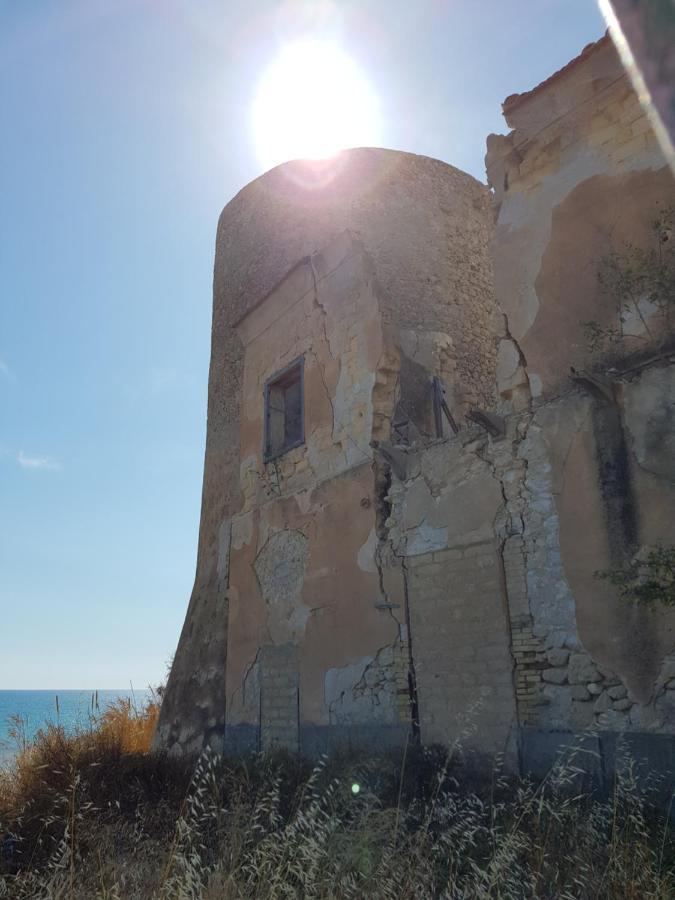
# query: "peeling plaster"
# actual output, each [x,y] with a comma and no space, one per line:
[363,692]
[529,216]
[649,406]
[424,538]
[242,530]
[223,564]
[280,569]
[490,544]
[366,558]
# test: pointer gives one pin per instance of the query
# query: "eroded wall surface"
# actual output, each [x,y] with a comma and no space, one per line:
[514,638]
[580,178]
[445,523]
[502,538]
[376,267]
[383,581]
[580,175]
[310,646]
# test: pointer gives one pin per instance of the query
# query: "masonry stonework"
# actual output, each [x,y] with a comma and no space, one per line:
[422,566]
[369,268]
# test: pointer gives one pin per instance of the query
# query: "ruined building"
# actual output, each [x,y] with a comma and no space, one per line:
[419,451]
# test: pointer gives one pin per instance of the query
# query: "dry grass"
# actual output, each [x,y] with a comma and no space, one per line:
[44,765]
[98,816]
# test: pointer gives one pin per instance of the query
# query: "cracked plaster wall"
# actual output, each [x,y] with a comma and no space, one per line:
[303,572]
[412,234]
[445,522]
[587,480]
[465,566]
[327,310]
[501,540]
[601,660]
[580,174]
[523,633]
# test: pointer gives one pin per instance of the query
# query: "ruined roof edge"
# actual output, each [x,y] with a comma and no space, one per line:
[515,100]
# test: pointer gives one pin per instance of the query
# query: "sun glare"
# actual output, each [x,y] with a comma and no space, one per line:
[312,101]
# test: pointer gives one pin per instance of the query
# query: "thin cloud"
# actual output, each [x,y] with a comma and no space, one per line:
[160,379]
[37,462]
[5,371]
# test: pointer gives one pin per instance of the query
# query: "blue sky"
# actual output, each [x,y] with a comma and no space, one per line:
[125,130]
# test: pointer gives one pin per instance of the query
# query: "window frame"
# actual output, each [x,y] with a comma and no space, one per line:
[269,455]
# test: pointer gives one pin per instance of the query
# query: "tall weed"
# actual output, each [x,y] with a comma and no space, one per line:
[94,816]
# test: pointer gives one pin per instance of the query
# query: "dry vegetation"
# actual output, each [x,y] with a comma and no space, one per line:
[98,816]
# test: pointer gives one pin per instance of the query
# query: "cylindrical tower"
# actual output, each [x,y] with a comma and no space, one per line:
[345,293]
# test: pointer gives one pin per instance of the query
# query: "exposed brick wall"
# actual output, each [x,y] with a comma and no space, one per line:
[424,227]
[526,648]
[279,697]
[592,107]
[580,177]
[460,639]
[499,539]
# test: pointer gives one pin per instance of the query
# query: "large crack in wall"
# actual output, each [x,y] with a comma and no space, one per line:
[564,674]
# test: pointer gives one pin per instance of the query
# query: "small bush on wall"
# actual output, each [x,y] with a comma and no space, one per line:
[649,578]
[641,283]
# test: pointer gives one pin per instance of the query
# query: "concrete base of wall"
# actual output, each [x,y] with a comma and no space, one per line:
[601,756]
[597,757]
[241,739]
[317,739]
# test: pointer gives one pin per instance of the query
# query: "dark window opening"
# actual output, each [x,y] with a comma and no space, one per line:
[441,408]
[284,417]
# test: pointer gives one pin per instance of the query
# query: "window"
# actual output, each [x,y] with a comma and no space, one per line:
[284,402]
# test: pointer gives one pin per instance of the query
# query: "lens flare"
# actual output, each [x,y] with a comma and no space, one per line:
[356,788]
[311,102]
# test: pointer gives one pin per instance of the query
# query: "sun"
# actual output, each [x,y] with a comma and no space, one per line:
[311,102]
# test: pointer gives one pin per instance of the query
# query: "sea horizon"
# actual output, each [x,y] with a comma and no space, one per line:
[24,711]
[67,690]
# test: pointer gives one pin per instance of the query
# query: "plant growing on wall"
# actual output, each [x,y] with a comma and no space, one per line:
[641,282]
[649,578]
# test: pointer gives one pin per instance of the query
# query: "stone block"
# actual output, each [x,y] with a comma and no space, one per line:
[445,555]
[613,720]
[602,135]
[641,125]
[422,559]
[581,669]
[554,676]
[667,670]
[645,718]
[510,373]
[486,549]
[558,656]
[581,715]
[631,148]
[579,692]
[618,692]
[603,703]
[622,705]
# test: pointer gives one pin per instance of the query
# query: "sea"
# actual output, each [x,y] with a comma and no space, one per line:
[23,713]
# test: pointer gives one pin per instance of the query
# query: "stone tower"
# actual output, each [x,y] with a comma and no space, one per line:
[411,481]
[352,308]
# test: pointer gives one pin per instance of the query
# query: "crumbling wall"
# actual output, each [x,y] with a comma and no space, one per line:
[423,228]
[312,646]
[580,177]
[502,535]
[444,523]
[384,576]
[502,538]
